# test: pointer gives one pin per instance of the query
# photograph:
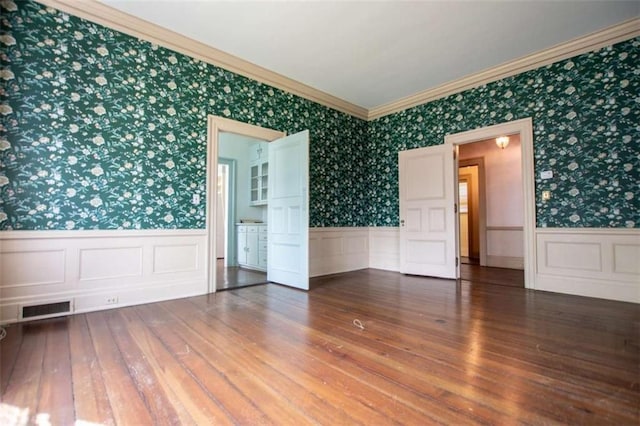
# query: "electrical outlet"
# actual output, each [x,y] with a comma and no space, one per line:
[196,199]
[112,300]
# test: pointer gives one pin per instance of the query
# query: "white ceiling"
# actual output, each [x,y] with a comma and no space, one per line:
[374,52]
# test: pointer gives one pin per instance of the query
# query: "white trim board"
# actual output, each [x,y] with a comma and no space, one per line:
[120,21]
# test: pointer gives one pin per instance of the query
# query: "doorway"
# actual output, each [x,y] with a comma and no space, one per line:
[224,271]
[279,185]
[239,210]
[499,239]
[471,211]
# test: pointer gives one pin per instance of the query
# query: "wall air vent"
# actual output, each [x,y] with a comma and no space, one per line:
[46,310]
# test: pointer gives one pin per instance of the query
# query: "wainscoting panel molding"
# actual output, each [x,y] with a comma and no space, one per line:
[334,250]
[96,270]
[589,262]
[384,248]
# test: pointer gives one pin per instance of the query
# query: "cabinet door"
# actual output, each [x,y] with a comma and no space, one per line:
[264,171]
[242,245]
[252,248]
[254,190]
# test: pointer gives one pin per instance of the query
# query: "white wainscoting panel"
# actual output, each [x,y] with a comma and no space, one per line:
[334,250]
[18,270]
[121,262]
[169,259]
[384,248]
[99,269]
[589,262]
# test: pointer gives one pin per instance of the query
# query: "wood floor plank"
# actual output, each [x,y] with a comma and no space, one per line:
[430,352]
[311,386]
[194,404]
[126,402]
[23,389]
[257,387]
[9,348]
[362,387]
[91,401]
[56,390]
[180,340]
[141,370]
[378,363]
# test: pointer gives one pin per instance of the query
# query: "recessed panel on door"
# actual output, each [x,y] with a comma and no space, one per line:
[437,220]
[293,219]
[425,177]
[286,256]
[413,221]
[426,252]
[287,172]
[277,220]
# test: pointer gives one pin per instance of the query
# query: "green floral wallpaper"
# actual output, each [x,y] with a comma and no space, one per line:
[586,129]
[99,130]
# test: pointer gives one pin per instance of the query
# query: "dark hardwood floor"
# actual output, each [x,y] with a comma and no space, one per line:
[480,275]
[236,277]
[429,351]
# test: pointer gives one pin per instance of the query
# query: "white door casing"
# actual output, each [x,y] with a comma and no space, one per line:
[216,125]
[428,232]
[524,127]
[288,211]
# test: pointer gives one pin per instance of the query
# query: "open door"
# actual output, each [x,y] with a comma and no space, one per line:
[427,215]
[288,215]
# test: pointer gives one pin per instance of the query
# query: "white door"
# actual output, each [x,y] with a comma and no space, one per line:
[427,216]
[288,217]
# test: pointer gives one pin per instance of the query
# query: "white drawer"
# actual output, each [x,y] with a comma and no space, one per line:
[263,246]
[252,229]
[242,228]
[262,237]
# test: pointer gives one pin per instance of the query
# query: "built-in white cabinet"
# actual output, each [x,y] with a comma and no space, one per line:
[252,245]
[258,182]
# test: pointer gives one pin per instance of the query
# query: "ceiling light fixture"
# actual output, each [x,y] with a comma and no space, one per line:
[502,142]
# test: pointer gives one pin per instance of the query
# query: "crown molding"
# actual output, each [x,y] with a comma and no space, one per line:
[594,41]
[107,16]
[102,14]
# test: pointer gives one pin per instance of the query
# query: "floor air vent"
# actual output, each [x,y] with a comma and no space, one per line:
[46,309]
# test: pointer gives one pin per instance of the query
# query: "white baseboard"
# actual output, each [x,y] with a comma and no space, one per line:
[335,250]
[96,270]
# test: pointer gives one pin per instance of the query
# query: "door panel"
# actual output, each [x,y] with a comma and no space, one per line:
[427,218]
[288,214]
